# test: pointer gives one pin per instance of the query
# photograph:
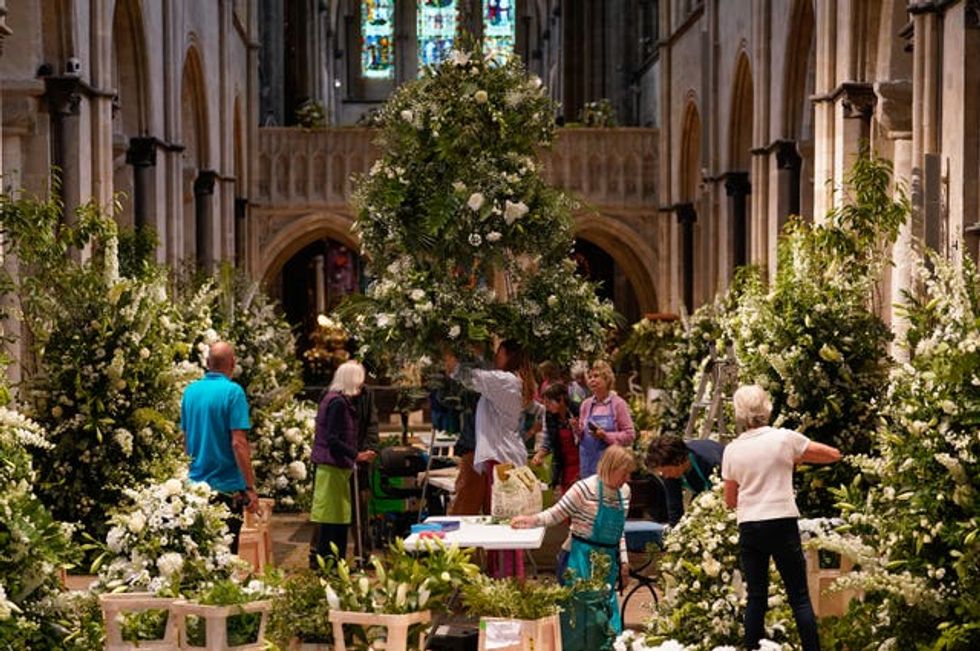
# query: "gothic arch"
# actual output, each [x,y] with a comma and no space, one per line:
[689,173]
[630,251]
[740,128]
[300,232]
[130,68]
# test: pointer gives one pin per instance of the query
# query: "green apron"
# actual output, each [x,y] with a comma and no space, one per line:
[607,530]
[331,495]
[697,469]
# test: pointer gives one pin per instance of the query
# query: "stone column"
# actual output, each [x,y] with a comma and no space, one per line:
[142,155]
[926,107]
[63,95]
[204,217]
[854,104]
[686,217]
[4,33]
[789,165]
[825,36]
[738,188]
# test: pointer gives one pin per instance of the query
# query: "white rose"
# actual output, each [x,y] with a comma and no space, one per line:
[552,300]
[170,563]
[454,331]
[493,236]
[407,115]
[535,82]
[481,97]
[383,320]
[475,202]
[137,522]
[475,239]
[514,211]
[173,487]
[296,470]
[114,539]
[459,58]
[144,352]
[293,435]
[459,186]
[417,294]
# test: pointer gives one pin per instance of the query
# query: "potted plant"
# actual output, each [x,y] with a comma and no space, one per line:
[224,615]
[299,617]
[514,614]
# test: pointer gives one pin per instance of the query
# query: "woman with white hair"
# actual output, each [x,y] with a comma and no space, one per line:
[335,455]
[758,471]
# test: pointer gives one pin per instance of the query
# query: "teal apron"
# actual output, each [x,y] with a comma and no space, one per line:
[698,471]
[607,531]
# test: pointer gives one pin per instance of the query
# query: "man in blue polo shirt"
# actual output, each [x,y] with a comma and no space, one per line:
[215,421]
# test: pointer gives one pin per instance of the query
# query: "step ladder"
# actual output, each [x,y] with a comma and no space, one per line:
[720,372]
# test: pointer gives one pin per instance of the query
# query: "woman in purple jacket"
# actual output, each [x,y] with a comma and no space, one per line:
[335,455]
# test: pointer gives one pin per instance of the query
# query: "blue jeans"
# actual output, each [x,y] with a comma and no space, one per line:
[779,540]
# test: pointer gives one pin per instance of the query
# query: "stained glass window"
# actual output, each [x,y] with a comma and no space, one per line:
[378,39]
[436,30]
[499,28]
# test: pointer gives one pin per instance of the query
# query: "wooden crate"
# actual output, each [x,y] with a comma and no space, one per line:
[827,603]
[116,605]
[255,541]
[522,634]
[215,624]
[397,626]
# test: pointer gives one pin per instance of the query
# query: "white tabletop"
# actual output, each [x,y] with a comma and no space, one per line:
[476,531]
[444,478]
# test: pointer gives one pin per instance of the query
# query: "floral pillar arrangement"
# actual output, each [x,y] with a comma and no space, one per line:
[463,237]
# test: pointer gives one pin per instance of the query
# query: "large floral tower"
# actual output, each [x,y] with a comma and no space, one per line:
[463,237]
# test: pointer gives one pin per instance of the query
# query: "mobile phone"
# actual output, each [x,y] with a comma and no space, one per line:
[593,427]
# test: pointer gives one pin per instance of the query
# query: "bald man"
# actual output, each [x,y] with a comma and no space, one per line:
[214,418]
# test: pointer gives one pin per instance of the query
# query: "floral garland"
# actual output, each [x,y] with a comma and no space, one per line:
[463,236]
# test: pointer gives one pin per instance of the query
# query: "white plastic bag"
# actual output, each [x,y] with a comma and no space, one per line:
[516,491]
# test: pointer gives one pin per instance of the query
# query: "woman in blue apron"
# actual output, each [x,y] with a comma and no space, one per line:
[596,507]
[605,419]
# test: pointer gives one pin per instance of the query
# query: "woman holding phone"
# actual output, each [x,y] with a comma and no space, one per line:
[604,419]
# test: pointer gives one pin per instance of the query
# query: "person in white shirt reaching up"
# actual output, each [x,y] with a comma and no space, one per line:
[757,468]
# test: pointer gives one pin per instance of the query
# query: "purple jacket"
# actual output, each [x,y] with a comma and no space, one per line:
[335,442]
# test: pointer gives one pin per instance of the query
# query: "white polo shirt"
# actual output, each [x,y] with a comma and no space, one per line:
[761,462]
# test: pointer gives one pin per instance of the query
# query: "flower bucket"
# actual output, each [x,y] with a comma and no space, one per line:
[501,634]
[116,606]
[827,602]
[213,622]
[398,627]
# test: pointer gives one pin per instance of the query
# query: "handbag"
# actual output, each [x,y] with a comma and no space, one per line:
[516,491]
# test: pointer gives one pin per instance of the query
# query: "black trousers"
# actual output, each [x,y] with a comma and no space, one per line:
[236,504]
[323,535]
[779,540]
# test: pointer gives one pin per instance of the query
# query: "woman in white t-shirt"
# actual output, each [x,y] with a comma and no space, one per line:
[758,471]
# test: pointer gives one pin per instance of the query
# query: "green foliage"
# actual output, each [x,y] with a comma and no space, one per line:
[513,599]
[137,252]
[913,516]
[813,339]
[648,343]
[300,611]
[242,628]
[461,232]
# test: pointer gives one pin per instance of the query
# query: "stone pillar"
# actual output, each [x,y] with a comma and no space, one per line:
[686,217]
[854,104]
[63,95]
[926,66]
[738,188]
[789,165]
[4,33]
[204,217]
[142,155]
[823,110]
[971,161]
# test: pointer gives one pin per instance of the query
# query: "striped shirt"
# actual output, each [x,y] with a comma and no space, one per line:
[580,504]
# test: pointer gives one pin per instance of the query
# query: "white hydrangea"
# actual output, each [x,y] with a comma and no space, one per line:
[296,470]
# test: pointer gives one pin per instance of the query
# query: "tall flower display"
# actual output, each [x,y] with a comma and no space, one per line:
[463,237]
[813,338]
[32,545]
[105,386]
[913,519]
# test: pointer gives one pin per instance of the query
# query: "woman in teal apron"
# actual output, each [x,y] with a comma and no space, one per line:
[596,507]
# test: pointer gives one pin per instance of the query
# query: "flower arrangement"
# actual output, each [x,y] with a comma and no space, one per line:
[704,604]
[634,641]
[298,611]
[648,343]
[167,538]
[513,599]
[281,457]
[911,517]
[327,350]
[312,114]
[242,628]
[464,238]
[813,339]
[32,545]
[598,114]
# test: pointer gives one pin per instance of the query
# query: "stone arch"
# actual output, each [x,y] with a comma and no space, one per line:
[300,232]
[630,251]
[740,127]
[58,32]
[689,174]
[194,138]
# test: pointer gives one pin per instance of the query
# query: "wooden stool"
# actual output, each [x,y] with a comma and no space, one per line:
[526,634]
[397,626]
[116,605]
